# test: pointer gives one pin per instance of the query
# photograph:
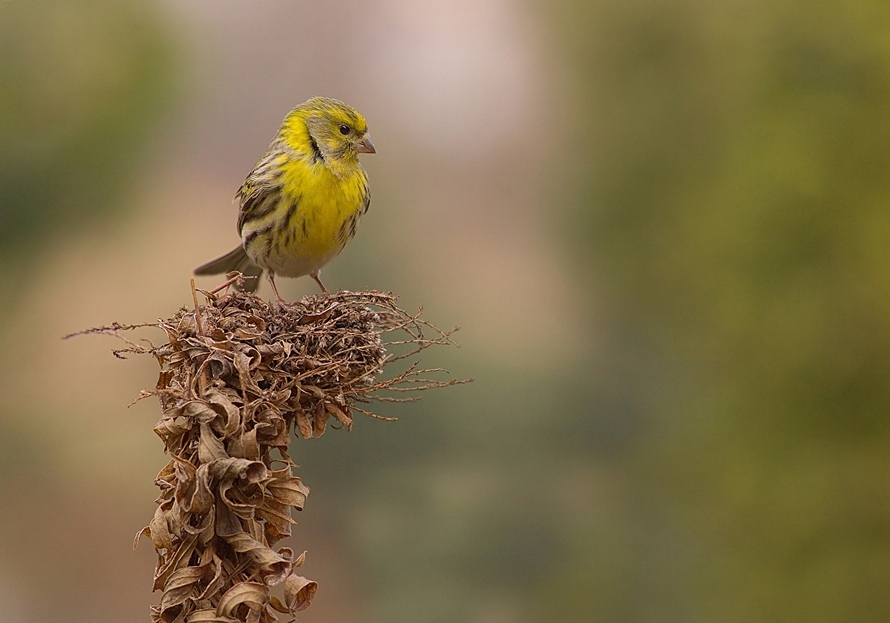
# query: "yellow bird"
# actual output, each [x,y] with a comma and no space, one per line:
[302,202]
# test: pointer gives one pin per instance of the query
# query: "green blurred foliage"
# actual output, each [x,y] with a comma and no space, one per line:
[82,87]
[732,197]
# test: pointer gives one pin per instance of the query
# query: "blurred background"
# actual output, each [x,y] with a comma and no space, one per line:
[662,224]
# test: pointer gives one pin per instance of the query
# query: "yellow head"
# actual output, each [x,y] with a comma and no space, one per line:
[328,129]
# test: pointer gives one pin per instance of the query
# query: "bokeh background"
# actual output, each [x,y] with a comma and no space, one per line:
[663,226]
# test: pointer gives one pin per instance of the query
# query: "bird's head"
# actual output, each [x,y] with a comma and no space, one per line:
[336,131]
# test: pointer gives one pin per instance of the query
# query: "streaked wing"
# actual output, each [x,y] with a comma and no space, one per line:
[260,192]
[256,204]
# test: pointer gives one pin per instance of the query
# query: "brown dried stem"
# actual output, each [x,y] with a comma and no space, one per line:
[237,375]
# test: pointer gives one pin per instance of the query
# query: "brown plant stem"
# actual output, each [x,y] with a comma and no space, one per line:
[237,376]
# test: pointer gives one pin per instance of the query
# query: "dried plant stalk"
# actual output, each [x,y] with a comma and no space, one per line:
[237,375]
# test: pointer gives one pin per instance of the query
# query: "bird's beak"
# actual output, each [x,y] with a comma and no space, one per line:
[365,146]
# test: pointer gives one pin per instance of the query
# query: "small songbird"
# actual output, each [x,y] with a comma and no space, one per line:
[302,202]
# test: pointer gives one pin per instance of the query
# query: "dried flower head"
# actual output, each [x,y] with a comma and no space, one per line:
[237,376]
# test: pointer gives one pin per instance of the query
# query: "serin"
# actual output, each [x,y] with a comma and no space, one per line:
[302,202]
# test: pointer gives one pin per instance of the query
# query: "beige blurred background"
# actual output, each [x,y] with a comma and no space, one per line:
[662,226]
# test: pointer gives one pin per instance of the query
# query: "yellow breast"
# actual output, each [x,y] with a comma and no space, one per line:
[319,207]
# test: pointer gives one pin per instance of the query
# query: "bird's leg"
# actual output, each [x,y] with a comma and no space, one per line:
[317,276]
[278,298]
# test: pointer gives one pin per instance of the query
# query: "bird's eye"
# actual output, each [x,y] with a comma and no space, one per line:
[344,129]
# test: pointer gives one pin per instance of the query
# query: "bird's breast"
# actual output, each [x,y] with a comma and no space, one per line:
[316,216]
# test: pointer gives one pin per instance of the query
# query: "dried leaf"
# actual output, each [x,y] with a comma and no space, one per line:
[298,592]
[287,489]
[319,420]
[210,448]
[223,405]
[304,427]
[180,586]
[245,445]
[270,565]
[243,593]
[208,616]
[337,412]
[227,522]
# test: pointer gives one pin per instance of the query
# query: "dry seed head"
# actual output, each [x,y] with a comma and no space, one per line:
[234,382]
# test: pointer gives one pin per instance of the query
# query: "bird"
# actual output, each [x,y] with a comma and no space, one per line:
[301,203]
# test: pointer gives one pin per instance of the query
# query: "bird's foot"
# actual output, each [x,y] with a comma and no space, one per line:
[281,305]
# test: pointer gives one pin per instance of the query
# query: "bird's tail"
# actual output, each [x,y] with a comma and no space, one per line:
[234,260]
